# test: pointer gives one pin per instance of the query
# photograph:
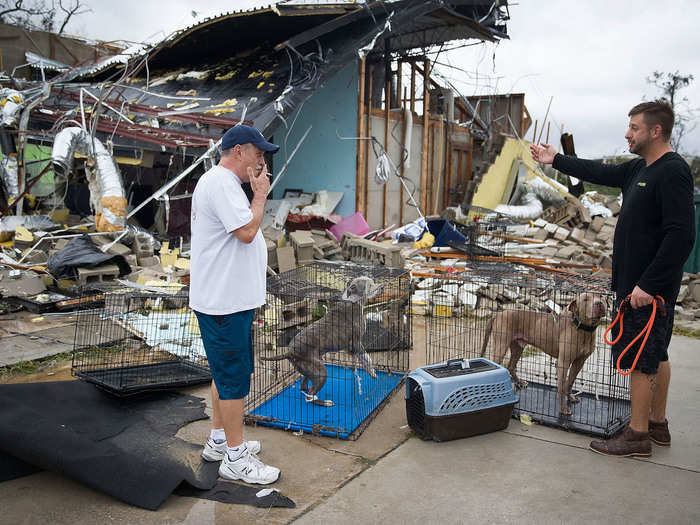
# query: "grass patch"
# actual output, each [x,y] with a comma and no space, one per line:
[687,332]
[30,367]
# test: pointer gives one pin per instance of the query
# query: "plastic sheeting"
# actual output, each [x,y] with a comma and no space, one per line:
[31,222]
[81,251]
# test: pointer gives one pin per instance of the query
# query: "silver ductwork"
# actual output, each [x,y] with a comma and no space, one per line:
[533,194]
[107,195]
[8,172]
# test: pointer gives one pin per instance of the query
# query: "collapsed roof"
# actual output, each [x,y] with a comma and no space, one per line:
[257,65]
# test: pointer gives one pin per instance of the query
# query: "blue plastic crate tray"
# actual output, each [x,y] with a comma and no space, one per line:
[354,402]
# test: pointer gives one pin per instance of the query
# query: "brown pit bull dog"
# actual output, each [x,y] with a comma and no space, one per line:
[568,337]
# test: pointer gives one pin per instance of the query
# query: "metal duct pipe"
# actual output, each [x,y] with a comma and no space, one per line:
[106,188]
[531,207]
[64,147]
[8,172]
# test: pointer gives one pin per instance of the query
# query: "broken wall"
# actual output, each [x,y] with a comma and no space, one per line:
[324,161]
[375,191]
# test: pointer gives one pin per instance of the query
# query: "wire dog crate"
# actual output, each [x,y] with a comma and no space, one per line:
[546,328]
[329,349]
[139,340]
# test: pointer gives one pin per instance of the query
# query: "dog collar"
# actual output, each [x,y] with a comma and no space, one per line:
[578,324]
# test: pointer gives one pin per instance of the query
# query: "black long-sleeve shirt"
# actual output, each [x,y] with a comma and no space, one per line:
[655,230]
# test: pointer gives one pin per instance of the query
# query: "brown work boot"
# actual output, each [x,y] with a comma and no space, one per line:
[659,434]
[627,443]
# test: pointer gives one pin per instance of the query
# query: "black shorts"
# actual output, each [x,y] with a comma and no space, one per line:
[656,348]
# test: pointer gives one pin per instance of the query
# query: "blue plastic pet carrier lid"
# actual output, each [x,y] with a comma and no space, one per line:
[462,385]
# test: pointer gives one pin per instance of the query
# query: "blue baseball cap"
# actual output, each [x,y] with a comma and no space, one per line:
[242,134]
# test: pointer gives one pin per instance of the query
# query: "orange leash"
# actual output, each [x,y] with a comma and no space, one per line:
[645,331]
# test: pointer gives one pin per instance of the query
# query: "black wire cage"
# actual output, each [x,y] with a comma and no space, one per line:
[483,233]
[331,344]
[138,340]
[546,328]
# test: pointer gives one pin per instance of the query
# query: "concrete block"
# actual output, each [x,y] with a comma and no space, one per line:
[357,249]
[285,259]
[271,254]
[577,234]
[60,244]
[597,223]
[611,221]
[567,252]
[561,233]
[590,235]
[151,260]
[613,206]
[605,262]
[541,235]
[303,243]
[98,274]
[132,260]
[119,249]
[143,246]
[551,227]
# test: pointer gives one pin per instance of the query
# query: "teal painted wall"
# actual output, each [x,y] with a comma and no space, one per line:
[323,162]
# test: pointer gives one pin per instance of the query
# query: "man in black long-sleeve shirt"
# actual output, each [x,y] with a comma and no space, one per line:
[654,235]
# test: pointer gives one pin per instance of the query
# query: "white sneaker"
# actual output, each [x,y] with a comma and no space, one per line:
[214,451]
[247,467]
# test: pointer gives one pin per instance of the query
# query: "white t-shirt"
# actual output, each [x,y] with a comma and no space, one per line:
[226,275]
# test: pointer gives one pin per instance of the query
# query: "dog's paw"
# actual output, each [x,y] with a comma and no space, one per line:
[521,383]
[574,399]
[565,411]
[373,373]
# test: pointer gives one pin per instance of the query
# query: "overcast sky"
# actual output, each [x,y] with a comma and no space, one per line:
[591,58]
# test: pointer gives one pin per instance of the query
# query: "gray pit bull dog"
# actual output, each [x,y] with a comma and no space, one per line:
[568,337]
[343,327]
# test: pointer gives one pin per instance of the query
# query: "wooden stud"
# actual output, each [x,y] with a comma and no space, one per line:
[368,127]
[387,111]
[534,133]
[413,88]
[426,124]
[403,147]
[361,144]
[448,167]
[440,174]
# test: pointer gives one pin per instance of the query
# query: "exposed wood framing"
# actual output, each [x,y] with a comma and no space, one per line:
[387,112]
[413,87]
[367,133]
[424,163]
[361,144]
[403,147]
[440,173]
[448,166]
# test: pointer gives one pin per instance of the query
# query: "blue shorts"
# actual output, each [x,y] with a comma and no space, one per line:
[228,343]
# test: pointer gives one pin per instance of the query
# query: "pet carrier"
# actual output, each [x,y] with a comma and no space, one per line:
[331,344]
[545,328]
[140,339]
[459,398]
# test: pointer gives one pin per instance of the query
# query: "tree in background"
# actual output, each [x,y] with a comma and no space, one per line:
[40,14]
[670,84]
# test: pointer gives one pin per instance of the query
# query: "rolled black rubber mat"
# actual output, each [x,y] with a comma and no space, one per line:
[125,447]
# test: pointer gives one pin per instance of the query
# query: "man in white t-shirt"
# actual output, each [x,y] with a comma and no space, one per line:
[227,282]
